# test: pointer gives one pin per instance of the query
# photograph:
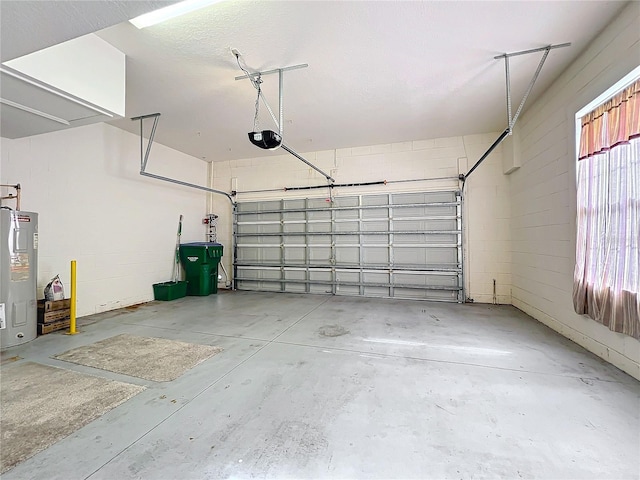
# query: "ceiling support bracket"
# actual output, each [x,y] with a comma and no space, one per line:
[511,120]
[255,80]
[144,159]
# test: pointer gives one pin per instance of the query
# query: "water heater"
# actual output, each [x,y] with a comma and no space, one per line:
[18,277]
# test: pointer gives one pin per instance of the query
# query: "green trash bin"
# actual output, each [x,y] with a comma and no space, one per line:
[200,261]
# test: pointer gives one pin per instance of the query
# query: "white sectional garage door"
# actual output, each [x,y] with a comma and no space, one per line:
[400,245]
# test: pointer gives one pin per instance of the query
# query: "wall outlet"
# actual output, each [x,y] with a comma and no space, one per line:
[3,322]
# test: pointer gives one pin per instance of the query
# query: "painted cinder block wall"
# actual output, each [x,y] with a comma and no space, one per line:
[486,194]
[543,192]
[95,208]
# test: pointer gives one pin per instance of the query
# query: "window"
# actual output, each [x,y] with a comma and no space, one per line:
[607,272]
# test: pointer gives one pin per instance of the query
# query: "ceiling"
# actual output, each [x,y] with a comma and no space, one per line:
[379,72]
[30,25]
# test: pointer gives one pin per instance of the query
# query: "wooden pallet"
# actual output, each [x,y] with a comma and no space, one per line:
[49,305]
[53,315]
[44,328]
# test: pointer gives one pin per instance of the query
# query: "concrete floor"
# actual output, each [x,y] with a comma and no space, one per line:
[334,387]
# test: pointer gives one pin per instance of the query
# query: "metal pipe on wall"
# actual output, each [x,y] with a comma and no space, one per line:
[15,197]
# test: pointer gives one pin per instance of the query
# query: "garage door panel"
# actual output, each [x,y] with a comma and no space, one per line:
[319,227]
[425,279]
[347,255]
[346,226]
[319,216]
[347,276]
[369,200]
[295,255]
[319,240]
[375,213]
[425,225]
[258,229]
[351,214]
[294,281]
[349,290]
[376,255]
[404,245]
[420,256]
[253,255]
[293,240]
[320,275]
[293,216]
[426,211]
[319,289]
[347,201]
[350,240]
[423,197]
[376,226]
[376,292]
[294,204]
[425,240]
[320,255]
[376,277]
[316,203]
[423,294]
[293,228]
[375,240]
[418,240]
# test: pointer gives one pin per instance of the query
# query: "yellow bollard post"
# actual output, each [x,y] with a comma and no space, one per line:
[72,326]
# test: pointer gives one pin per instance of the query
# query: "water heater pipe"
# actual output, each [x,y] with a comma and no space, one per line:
[15,197]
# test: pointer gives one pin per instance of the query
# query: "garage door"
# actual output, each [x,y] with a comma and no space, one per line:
[398,245]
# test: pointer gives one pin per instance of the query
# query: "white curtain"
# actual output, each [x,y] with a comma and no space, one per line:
[607,273]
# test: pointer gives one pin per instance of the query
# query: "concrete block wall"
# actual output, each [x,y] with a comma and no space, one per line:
[95,208]
[442,159]
[543,193]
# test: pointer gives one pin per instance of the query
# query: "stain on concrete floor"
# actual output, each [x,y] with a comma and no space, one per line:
[332,331]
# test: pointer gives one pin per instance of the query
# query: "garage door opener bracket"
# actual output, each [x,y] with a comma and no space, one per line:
[144,158]
[512,119]
[268,139]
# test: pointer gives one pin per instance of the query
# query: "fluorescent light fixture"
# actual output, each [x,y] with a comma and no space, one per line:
[169,12]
